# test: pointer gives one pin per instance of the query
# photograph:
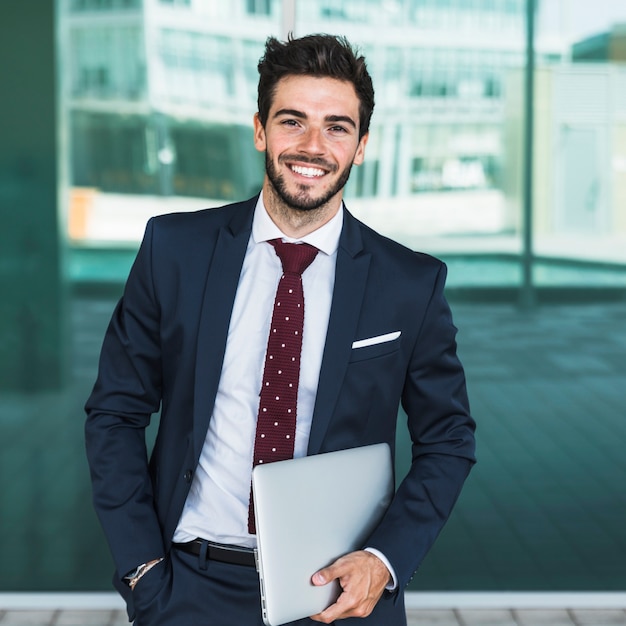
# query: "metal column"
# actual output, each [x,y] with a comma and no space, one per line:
[33,300]
[527,296]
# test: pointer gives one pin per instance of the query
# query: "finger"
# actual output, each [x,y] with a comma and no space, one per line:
[347,605]
[326,575]
[362,577]
[335,570]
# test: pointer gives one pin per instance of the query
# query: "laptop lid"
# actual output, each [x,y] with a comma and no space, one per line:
[309,511]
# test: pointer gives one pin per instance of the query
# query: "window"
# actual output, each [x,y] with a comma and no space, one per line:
[442,173]
[104,5]
[258,7]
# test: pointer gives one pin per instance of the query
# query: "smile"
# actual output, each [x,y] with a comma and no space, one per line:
[310,172]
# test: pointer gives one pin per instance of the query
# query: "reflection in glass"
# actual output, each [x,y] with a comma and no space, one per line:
[156,105]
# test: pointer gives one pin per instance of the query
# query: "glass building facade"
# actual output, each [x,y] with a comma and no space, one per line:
[145,107]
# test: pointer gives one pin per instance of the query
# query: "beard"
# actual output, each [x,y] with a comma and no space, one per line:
[301,200]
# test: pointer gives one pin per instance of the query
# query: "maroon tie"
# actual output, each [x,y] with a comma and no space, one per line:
[276,421]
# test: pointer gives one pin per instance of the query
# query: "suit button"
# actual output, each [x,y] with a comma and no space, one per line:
[187,476]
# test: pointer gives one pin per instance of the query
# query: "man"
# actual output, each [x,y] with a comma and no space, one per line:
[189,336]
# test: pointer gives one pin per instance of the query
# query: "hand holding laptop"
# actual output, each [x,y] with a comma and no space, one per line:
[313,514]
[362,577]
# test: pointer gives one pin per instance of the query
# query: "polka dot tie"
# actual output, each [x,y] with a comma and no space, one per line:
[276,421]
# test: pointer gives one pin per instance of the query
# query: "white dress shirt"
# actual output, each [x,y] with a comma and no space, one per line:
[217,504]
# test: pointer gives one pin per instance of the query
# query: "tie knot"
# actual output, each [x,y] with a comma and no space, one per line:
[295,257]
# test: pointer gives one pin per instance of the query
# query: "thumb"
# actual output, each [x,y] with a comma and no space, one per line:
[322,577]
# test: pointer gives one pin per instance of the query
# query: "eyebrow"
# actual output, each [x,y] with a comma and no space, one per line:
[329,118]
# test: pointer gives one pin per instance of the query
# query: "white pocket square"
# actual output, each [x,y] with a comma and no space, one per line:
[372,341]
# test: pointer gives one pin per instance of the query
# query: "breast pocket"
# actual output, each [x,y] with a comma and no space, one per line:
[374,351]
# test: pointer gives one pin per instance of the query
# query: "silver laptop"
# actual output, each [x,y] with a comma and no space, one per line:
[310,511]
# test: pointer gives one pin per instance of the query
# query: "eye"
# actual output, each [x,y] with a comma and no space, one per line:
[338,129]
[289,122]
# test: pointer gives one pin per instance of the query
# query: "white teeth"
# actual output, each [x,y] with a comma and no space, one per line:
[307,171]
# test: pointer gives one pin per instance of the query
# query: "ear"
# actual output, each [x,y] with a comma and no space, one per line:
[260,142]
[359,155]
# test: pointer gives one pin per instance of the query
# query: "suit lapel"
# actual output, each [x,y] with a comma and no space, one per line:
[219,296]
[350,281]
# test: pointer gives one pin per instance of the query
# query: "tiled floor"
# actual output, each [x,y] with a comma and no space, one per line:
[63,618]
[509,617]
[527,617]
[432,617]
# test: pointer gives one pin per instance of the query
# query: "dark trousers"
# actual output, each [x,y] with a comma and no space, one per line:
[183,590]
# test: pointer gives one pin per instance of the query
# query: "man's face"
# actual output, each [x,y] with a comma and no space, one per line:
[310,140]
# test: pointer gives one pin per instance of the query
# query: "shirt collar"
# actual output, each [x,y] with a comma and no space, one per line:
[325,238]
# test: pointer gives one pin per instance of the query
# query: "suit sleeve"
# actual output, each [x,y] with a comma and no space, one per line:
[126,393]
[442,434]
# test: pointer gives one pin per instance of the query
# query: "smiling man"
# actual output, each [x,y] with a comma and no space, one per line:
[274,328]
[309,149]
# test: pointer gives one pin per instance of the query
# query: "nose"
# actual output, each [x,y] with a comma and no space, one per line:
[313,141]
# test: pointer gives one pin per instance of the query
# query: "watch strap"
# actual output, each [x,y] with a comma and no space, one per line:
[133,577]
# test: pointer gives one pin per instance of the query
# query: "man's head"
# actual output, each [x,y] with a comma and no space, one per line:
[317,56]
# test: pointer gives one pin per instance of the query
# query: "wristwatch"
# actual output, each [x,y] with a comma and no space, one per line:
[133,577]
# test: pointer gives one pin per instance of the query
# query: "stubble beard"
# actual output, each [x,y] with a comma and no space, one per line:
[301,201]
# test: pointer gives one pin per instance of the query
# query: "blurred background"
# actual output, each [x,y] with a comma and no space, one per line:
[498,144]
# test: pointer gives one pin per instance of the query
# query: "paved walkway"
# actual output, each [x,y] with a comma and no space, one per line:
[432,617]
[518,617]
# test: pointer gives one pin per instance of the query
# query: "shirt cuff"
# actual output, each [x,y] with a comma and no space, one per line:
[393,585]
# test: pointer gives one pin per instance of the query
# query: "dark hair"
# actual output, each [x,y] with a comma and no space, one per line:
[314,55]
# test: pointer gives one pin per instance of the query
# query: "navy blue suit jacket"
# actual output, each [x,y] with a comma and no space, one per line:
[164,349]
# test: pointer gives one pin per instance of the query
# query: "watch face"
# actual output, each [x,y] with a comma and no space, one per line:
[140,571]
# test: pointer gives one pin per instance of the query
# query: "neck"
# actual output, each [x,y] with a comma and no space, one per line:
[296,222]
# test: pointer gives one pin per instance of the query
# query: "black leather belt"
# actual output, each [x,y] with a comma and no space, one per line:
[235,555]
